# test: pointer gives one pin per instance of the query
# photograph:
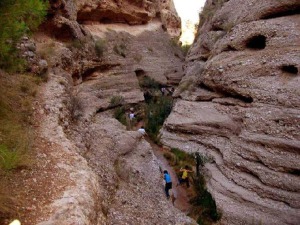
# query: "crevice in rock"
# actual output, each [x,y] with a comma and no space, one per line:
[290,69]
[229,48]
[228,93]
[205,87]
[294,172]
[282,11]
[87,74]
[257,42]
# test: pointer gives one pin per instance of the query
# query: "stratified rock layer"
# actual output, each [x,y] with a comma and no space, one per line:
[97,52]
[67,16]
[239,102]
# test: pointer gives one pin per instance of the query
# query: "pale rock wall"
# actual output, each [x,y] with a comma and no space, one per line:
[239,102]
[66,17]
[114,176]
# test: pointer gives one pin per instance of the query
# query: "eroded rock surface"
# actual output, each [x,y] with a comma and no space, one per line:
[239,102]
[98,50]
[67,16]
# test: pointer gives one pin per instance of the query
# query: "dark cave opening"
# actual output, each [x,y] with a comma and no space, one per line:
[257,42]
[291,69]
[282,11]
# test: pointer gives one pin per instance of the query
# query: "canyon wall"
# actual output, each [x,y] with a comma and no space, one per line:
[97,52]
[239,104]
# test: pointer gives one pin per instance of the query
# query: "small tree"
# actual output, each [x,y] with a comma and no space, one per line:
[17,18]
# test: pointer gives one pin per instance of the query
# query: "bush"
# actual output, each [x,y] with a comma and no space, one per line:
[204,206]
[156,113]
[17,18]
[120,115]
[116,101]
[185,49]
[100,47]
[148,82]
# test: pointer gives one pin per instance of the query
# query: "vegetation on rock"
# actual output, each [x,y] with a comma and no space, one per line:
[204,209]
[16,95]
[17,18]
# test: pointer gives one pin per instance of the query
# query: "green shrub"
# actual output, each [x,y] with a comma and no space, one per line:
[17,18]
[204,206]
[100,46]
[120,115]
[116,101]
[11,159]
[185,49]
[148,82]
[156,113]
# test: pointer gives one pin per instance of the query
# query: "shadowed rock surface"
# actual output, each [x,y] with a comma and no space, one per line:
[239,102]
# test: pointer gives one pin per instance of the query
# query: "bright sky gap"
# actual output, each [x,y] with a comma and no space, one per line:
[188,10]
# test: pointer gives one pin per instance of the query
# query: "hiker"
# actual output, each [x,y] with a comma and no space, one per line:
[131,115]
[142,131]
[168,184]
[163,90]
[185,177]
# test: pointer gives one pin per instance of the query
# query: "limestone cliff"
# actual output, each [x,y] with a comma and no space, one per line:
[96,52]
[239,102]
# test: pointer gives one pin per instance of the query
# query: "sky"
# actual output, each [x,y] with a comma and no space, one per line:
[188,10]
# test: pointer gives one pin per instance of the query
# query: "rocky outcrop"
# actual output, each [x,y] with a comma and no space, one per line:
[239,103]
[98,51]
[67,16]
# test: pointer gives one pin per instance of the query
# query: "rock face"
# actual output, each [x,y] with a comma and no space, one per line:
[66,16]
[98,51]
[239,102]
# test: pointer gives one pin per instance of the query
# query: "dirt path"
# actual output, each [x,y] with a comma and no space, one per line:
[182,200]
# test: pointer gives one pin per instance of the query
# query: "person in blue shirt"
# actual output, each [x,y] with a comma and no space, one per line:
[168,180]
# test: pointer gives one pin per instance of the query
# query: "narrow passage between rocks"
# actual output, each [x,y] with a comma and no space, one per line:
[179,191]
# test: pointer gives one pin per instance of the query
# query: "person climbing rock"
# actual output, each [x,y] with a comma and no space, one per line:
[168,184]
[185,177]
[142,131]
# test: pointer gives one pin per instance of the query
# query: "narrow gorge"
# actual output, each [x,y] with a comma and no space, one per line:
[236,100]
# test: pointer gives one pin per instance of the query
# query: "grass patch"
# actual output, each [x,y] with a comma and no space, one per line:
[17,93]
[12,159]
[16,96]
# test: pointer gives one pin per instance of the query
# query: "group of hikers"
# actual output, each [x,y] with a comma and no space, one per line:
[183,179]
